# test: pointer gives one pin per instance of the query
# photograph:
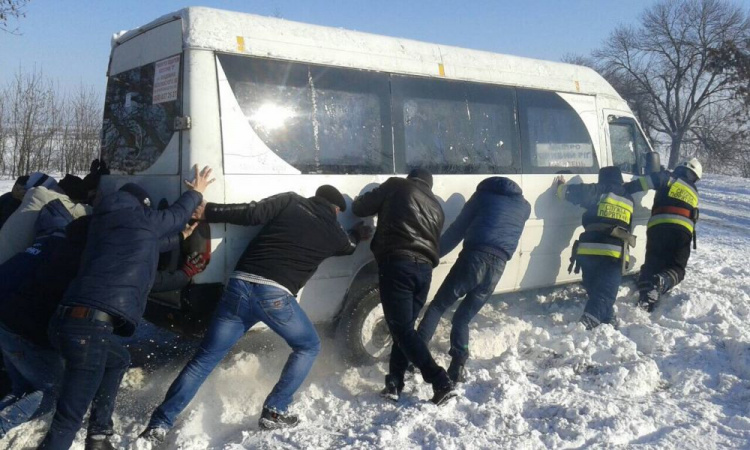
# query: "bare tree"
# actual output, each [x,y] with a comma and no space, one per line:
[80,134]
[665,63]
[11,9]
[733,58]
[33,119]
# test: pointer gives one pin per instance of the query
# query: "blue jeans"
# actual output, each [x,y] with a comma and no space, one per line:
[95,362]
[35,374]
[475,276]
[243,305]
[404,284]
[601,279]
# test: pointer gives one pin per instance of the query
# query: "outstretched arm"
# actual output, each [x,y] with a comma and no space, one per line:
[369,203]
[457,230]
[643,183]
[248,214]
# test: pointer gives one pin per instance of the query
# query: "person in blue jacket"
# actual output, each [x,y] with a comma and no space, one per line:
[490,224]
[107,298]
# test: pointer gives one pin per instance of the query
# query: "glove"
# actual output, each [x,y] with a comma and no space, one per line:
[194,264]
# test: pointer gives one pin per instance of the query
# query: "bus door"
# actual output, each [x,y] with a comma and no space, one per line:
[559,136]
[143,124]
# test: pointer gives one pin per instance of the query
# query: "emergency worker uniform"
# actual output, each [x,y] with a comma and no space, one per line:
[602,249]
[671,228]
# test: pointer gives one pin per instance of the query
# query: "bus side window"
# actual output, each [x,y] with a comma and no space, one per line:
[322,120]
[453,127]
[554,139]
[622,142]
[628,145]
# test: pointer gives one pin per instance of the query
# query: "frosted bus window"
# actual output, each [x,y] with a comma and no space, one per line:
[319,120]
[554,139]
[454,127]
[628,145]
[353,120]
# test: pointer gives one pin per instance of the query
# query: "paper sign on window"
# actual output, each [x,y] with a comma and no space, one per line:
[564,155]
[166,80]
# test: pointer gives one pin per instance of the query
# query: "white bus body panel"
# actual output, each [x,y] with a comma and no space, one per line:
[245,170]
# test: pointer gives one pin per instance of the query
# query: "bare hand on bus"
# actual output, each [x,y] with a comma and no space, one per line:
[201,181]
[199,213]
[558,181]
[364,231]
[188,230]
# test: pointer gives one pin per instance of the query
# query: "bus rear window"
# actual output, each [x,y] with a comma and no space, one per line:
[139,111]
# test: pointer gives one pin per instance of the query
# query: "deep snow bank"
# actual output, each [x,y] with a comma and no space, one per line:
[677,378]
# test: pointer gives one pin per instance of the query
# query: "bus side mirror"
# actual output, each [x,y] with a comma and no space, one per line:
[653,162]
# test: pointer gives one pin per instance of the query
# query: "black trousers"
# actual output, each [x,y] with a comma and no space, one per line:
[667,252]
[404,284]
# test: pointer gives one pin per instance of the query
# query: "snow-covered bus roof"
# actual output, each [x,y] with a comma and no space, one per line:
[241,33]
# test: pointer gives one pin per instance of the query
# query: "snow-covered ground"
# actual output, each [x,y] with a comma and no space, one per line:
[678,378]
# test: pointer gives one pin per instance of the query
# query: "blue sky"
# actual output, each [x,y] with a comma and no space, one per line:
[69,39]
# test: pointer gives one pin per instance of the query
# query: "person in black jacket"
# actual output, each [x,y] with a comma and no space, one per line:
[298,234]
[671,229]
[406,248]
[108,297]
[490,224]
[602,249]
[10,201]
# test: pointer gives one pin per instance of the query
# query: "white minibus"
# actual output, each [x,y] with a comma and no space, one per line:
[275,106]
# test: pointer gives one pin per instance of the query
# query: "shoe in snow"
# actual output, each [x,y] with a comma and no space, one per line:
[98,442]
[271,420]
[648,299]
[155,436]
[456,372]
[391,392]
[442,395]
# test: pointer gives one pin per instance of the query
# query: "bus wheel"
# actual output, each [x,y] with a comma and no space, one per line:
[362,332]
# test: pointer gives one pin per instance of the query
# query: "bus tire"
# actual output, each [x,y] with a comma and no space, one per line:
[362,332]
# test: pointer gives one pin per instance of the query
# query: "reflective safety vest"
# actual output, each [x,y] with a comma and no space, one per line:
[676,204]
[612,211]
[596,249]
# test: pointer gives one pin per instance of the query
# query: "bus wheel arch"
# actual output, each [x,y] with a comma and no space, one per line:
[361,331]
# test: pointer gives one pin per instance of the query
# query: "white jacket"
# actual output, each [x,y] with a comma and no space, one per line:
[18,232]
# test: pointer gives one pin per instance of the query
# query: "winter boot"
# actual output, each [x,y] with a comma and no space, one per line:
[648,295]
[443,393]
[98,442]
[155,436]
[666,280]
[270,420]
[456,371]
[393,388]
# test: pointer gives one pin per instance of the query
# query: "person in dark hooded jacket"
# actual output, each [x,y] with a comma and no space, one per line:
[109,297]
[602,249]
[490,224]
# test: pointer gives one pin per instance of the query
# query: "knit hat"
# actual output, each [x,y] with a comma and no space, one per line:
[137,192]
[332,195]
[37,179]
[610,175]
[421,174]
